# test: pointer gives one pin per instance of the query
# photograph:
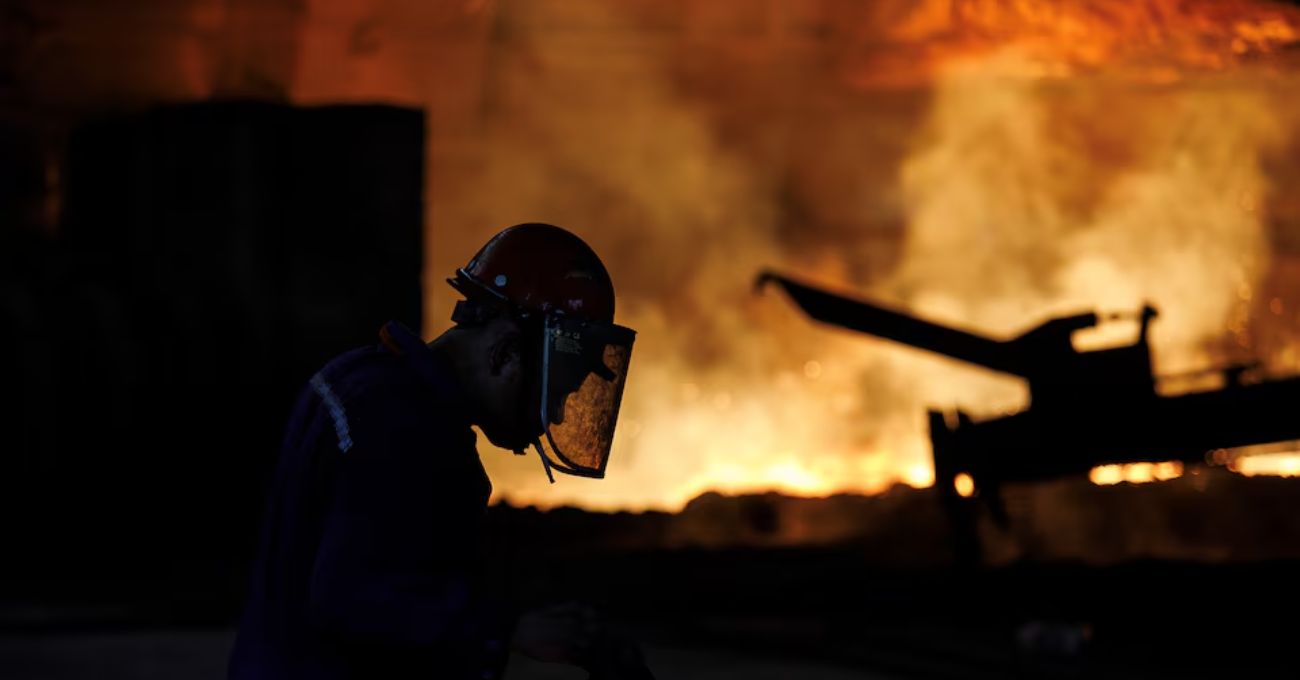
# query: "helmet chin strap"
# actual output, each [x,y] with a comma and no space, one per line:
[542,385]
[546,464]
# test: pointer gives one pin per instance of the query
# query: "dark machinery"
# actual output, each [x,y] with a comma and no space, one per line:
[1086,408]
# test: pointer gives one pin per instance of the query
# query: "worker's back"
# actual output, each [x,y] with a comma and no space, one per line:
[369,540]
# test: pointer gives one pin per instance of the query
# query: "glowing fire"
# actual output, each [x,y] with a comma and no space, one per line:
[1136,473]
[1280,459]
[1022,197]
[982,162]
[1273,460]
[1158,39]
[964,484]
[1272,464]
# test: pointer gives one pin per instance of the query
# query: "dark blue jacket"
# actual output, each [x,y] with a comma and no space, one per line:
[368,557]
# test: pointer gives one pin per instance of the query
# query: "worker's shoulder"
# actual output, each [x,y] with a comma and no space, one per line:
[397,374]
[357,372]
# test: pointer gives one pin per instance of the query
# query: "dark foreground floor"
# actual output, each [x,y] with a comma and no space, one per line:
[201,654]
[784,614]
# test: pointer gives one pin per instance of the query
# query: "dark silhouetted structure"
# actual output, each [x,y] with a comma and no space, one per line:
[1087,408]
[207,260]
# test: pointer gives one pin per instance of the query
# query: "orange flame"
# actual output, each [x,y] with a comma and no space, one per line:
[1273,465]
[1136,473]
[983,162]
[1155,39]
[1281,459]
[1020,198]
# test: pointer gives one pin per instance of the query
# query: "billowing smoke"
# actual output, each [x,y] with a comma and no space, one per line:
[982,162]
[723,393]
[1021,196]
[1027,198]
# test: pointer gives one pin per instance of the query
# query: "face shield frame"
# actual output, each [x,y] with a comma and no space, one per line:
[483,303]
[576,355]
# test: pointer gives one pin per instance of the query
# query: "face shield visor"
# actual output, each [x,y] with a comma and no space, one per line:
[583,371]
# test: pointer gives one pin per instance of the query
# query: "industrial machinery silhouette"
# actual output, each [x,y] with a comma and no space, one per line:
[1086,408]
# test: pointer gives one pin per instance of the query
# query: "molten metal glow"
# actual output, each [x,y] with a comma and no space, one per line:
[1270,464]
[1156,39]
[1020,195]
[986,163]
[1136,473]
[1279,459]
[1245,461]
[965,485]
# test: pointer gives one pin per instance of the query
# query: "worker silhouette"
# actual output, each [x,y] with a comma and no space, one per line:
[368,564]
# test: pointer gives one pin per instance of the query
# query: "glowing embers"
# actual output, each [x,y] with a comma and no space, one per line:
[1155,39]
[794,475]
[1136,473]
[1281,459]
[964,484]
[1272,464]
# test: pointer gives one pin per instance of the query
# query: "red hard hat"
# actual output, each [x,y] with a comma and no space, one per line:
[540,268]
[547,275]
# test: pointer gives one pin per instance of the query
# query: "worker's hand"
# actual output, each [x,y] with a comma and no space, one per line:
[559,634]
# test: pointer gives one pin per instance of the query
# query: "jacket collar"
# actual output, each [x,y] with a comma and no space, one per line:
[432,368]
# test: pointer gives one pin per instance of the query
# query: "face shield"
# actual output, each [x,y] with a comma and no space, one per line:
[583,370]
